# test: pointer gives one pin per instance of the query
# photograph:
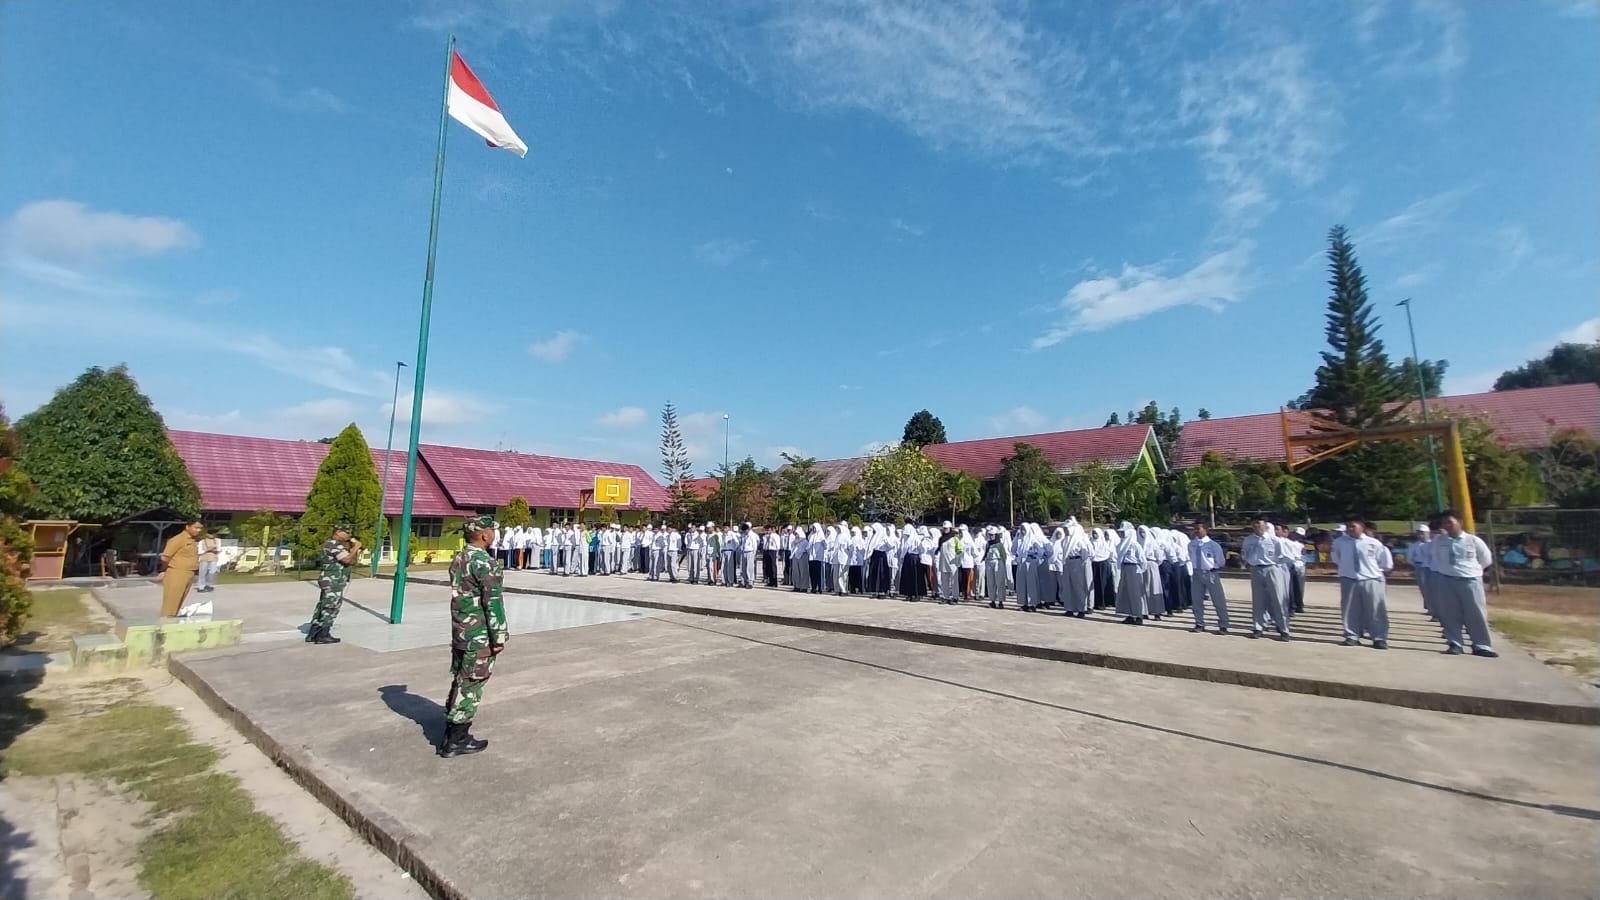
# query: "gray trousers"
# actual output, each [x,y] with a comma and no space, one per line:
[727,567]
[1266,598]
[1365,609]
[697,566]
[1028,583]
[747,567]
[948,589]
[994,580]
[1461,605]
[1425,587]
[1205,585]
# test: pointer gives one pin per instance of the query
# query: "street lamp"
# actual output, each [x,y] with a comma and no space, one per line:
[1422,397]
[726,427]
[377,545]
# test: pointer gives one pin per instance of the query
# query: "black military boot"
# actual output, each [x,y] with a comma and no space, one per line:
[325,636]
[311,633]
[457,742]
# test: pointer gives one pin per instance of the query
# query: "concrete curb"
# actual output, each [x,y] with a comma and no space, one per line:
[1494,707]
[389,836]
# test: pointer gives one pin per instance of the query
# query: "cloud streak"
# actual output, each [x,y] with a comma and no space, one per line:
[68,232]
[556,348]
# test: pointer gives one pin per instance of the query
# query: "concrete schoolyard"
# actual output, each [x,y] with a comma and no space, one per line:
[642,751]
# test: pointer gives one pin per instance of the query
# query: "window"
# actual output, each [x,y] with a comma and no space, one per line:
[563,516]
[214,522]
[428,526]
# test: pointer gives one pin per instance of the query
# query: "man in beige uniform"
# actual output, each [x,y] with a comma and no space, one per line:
[181,559]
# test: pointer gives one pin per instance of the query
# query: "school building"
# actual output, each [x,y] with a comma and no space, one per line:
[239,475]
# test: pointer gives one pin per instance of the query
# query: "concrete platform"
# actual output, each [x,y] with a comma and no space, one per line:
[1412,673]
[685,755]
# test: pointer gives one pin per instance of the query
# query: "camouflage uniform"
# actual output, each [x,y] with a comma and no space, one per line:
[477,630]
[333,580]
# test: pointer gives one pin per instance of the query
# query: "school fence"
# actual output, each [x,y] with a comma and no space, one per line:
[1543,546]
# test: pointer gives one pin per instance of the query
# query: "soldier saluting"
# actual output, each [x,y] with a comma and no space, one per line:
[478,633]
[337,553]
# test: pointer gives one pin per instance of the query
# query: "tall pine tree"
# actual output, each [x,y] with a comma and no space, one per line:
[345,491]
[676,468]
[1356,388]
[99,451]
[1355,380]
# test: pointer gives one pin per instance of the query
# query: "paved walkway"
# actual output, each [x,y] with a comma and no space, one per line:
[1412,673]
[687,755]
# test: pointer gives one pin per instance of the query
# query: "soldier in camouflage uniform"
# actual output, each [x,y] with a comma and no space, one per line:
[478,633]
[338,552]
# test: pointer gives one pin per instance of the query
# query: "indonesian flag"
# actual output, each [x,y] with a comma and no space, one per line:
[472,106]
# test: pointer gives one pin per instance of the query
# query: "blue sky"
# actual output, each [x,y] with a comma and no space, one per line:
[816,217]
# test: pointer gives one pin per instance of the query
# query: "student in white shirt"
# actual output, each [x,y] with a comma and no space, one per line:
[1207,559]
[1420,556]
[1262,553]
[1456,566]
[1363,563]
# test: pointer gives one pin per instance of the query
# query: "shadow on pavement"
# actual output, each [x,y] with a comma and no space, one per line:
[428,715]
[1577,812]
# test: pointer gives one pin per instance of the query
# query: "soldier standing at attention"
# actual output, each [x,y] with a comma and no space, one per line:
[478,632]
[181,556]
[338,552]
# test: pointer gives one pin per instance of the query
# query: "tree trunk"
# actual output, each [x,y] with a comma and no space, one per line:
[1211,502]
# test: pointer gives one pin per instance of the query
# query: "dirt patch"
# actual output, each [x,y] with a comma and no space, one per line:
[1567,642]
[1580,602]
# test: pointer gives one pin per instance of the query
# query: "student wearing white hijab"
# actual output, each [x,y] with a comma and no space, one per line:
[1055,556]
[1075,570]
[817,559]
[929,545]
[1131,587]
[994,567]
[830,559]
[858,561]
[947,557]
[913,577]
[1103,570]
[1155,600]
[800,562]
[880,546]
[966,563]
[1033,553]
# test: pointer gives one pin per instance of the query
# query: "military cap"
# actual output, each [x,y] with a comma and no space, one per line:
[344,527]
[481,523]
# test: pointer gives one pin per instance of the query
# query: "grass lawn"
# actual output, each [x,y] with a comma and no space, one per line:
[57,616]
[205,838]
[1570,642]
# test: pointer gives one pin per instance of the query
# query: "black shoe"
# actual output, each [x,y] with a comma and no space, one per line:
[1350,642]
[324,636]
[1254,635]
[1380,645]
[458,742]
[1222,631]
[1282,636]
[1197,629]
[1452,650]
[1127,620]
[312,632]
[1484,652]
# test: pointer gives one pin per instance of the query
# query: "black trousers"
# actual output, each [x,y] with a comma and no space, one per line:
[1104,586]
[913,577]
[853,580]
[1297,588]
[769,561]
[816,576]
[788,576]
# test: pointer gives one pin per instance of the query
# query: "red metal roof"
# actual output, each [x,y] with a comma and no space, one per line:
[1523,420]
[242,474]
[1115,446]
[701,488]
[475,478]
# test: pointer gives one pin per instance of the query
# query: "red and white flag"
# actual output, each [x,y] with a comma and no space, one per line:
[470,104]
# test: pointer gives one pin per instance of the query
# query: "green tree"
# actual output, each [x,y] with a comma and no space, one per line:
[797,493]
[1203,415]
[17,496]
[1569,468]
[515,514]
[1212,483]
[265,529]
[1566,363]
[1112,421]
[923,429]
[1023,473]
[98,451]
[1356,389]
[848,504]
[749,490]
[1091,487]
[1134,491]
[900,481]
[1045,501]
[676,468]
[345,490]
[961,491]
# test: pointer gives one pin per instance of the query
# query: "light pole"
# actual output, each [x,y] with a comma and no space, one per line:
[726,427]
[383,488]
[1422,398]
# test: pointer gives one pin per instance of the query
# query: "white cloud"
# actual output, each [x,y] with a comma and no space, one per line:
[442,407]
[967,74]
[1417,277]
[557,348]
[1421,217]
[1018,420]
[1517,245]
[626,417]
[307,421]
[772,457]
[1138,291]
[1582,333]
[68,232]
[910,228]
[723,251]
[1256,118]
[533,20]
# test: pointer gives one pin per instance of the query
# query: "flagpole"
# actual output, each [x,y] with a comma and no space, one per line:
[397,600]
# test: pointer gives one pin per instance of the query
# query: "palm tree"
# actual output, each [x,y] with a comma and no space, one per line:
[1047,498]
[1209,484]
[962,490]
[1133,490]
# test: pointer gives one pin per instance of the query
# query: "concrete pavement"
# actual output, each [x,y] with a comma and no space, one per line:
[685,755]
